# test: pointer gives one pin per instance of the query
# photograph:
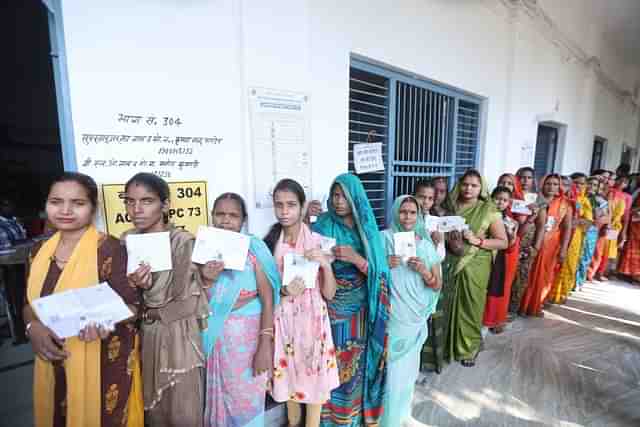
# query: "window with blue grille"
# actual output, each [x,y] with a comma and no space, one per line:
[426,130]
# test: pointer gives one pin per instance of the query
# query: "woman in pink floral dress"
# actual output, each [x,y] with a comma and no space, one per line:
[305,369]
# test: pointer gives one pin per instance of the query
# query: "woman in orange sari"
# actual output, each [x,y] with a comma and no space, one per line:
[496,308]
[551,245]
[630,260]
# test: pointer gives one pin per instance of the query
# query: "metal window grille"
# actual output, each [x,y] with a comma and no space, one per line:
[368,122]
[424,136]
[467,137]
[426,131]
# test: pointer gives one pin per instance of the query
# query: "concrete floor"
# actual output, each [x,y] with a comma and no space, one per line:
[579,366]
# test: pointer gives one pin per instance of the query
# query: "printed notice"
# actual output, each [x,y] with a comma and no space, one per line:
[216,244]
[280,124]
[367,157]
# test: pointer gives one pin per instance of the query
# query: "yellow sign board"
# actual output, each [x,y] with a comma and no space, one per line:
[188,206]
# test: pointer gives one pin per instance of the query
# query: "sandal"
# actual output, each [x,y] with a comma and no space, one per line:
[539,314]
[498,330]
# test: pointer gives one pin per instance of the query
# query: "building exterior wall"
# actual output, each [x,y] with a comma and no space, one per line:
[198,60]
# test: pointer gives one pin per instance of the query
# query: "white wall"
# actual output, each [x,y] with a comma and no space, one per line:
[197,60]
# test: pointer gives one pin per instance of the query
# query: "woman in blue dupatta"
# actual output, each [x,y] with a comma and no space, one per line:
[415,288]
[359,311]
[468,267]
[238,342]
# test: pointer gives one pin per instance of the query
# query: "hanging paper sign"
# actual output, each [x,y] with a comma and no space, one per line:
[368,157]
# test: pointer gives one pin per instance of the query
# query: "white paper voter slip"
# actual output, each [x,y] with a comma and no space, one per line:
[451,223]
[67,313]
[612,234]
[327,244]
[216,244]
[149,248]
[520,207]
[551,222]
[295,265]
[431,223]
[530,198]
[404,245]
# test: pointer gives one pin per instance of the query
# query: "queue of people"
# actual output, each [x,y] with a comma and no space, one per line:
[207,344]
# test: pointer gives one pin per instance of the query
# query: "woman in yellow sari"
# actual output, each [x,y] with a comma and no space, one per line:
[92,379]
[566,279]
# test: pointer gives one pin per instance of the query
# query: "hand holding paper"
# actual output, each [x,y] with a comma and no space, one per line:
[404,245]
[297,266]
[216,244]
[153,249]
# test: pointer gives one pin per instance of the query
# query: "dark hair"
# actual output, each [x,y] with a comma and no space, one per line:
[291,186]
[599,172]
[622,178]
[526,169]
[500,189]
[153,183]
[593,178]
[236,198]
[623,169]
[436,179]
[578,175]
[423,183]
[83,180]
[471,172]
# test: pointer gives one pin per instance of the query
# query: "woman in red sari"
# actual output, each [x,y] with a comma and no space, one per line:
[554,224]
[496,308]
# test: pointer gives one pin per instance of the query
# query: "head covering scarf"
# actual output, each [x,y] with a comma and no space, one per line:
[425,250]
[367,239]
[517,192]
[330,224]
[419,227]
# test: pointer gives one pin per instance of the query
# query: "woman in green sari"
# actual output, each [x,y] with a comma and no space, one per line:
[467,270]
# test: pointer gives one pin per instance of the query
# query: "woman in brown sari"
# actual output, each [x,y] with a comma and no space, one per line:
[174,313]
[92,379]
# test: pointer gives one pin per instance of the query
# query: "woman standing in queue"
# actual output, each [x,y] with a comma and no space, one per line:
[305,367]
[414,290]
[238,343]
[174,312]
[359,311]
[92,379]
[552,241]
[467,274]
[527,234]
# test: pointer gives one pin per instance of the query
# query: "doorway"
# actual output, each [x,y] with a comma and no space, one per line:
[546,150]
[30,142]
[597,157]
